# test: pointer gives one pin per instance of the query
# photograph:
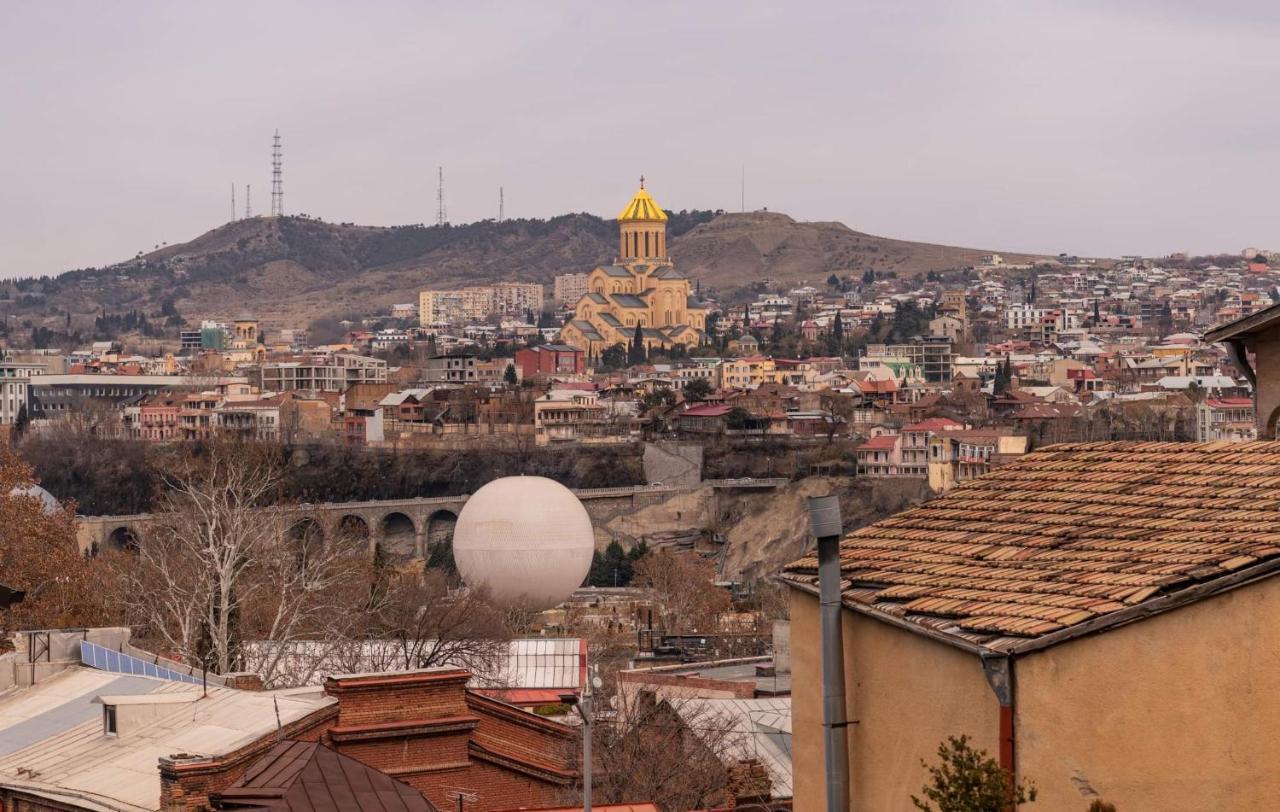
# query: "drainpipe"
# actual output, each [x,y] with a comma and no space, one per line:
[999,672]
[824,521]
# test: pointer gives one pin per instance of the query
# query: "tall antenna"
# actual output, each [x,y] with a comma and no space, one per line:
[277,180]
[233,201]
[441,216]
[744,187]
[501,205]
[248,208]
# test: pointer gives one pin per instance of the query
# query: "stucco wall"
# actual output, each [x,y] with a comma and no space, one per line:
[1267,363]
[907,693]
[1178,712]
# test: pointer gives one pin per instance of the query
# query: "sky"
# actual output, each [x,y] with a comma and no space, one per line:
[1095,128]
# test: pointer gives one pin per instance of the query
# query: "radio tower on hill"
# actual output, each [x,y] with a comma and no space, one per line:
[248,207]
[277,180]
[441,215]
[501,206]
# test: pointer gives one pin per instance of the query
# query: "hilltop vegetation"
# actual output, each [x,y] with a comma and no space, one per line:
[291,270]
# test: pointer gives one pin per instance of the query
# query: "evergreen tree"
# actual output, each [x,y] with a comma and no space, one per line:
[510,375]
[837,335]
[637,354]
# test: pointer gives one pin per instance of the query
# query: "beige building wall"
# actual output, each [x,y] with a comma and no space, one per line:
[1267,397]
[1178,713]
[907,693]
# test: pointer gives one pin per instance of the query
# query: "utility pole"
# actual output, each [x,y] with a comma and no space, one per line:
[583,706]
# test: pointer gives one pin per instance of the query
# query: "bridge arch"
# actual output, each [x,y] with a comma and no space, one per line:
[307,537]
[122,539]
[398,536]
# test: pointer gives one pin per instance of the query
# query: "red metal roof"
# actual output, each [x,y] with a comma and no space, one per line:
[307,776]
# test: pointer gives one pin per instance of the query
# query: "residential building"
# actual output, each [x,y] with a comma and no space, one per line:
[1226,418]
[1090,615]
[572,414]
[570,287]
[550,359]
[331,373]
[880,456]
[458,368]
[641,289]
[15,389]
[915,444]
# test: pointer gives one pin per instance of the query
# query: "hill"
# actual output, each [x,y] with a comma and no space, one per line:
[291,270]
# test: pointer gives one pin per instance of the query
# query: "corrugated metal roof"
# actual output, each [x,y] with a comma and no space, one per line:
[67,750]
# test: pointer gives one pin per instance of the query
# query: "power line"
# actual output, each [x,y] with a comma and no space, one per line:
[277,178]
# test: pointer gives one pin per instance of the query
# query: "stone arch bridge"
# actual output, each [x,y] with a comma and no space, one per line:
[407,528]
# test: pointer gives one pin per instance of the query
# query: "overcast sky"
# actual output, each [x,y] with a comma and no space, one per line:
[1093,128]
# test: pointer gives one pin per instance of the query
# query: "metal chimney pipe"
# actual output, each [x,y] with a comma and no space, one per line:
[824,521]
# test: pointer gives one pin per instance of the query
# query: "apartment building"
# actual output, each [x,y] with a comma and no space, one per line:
[475,303]
[333,373]
[570,287]
[15,389]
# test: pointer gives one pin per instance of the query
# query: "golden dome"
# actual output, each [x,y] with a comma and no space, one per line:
[643,207]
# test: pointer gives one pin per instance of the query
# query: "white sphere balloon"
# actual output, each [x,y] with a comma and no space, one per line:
[527,538]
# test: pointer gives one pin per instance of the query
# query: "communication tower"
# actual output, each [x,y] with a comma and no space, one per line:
[277,179]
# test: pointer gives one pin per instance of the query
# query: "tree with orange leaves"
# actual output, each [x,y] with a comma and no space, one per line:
[39,556]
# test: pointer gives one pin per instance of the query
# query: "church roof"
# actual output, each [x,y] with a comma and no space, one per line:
[628,300]
[643,207]
[615,270]
[598,298]
[669,272]
[587,329]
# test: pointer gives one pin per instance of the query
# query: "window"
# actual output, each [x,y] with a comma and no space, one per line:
[109,720]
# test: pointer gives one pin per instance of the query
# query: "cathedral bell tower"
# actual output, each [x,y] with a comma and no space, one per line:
[642,229]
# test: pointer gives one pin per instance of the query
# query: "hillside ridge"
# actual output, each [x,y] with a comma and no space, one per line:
[291,270]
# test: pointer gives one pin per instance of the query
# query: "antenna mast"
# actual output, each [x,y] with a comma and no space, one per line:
[233,201]
[441,215]
[248,209]
[744,187]
[501,205]
[277,180]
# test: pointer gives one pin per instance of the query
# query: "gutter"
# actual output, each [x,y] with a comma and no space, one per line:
[999,672]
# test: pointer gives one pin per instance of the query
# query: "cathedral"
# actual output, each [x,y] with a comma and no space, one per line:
[641,287]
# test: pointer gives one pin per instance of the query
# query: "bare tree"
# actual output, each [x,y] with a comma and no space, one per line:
[685,752]
[220,566]
[429,624]
[683,587]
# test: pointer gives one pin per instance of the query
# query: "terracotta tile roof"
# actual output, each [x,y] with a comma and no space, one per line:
[1068,539]
[879,443]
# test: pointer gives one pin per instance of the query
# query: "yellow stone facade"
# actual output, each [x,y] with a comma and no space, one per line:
[642,287]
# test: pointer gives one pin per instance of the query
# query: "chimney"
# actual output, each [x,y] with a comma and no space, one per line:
[748,785]
[825,522]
